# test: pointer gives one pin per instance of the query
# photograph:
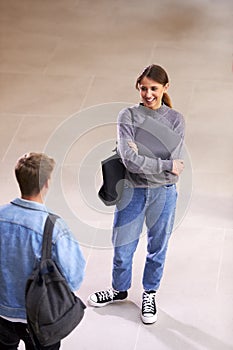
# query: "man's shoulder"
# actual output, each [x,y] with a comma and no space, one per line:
[5,208]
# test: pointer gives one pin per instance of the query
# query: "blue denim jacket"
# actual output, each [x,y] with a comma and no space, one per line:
[21,230]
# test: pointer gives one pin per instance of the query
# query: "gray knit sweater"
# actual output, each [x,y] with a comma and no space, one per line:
[159,136]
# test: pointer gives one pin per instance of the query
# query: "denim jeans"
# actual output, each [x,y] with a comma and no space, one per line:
[12,332]
[155,207]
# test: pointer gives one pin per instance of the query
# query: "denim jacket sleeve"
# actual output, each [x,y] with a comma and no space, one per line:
[68,255]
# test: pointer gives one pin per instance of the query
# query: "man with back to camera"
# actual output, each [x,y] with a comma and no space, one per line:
[21,232]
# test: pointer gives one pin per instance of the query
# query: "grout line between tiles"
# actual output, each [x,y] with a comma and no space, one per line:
[13,139]
[137,336]
[86,94]
[220,262]
[198,227]
[38,115]
[51,58]
[91,248]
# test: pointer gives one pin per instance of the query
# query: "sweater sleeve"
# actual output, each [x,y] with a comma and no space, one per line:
[136,163]
[179,128]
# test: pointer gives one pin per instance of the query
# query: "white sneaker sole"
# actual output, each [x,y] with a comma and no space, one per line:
[149,320]
[95,304]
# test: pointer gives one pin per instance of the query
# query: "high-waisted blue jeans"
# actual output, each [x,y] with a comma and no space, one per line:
[155,207]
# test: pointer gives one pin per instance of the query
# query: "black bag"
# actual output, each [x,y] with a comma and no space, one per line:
[53,310]
[113,172]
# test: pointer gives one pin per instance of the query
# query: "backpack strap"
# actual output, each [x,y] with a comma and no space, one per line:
[47,237]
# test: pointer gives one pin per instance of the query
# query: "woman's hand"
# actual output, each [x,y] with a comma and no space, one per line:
[178,167]
[133,146]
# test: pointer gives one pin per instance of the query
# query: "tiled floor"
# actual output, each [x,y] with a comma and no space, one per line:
[66,68]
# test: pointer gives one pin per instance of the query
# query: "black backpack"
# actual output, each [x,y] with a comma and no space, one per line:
[52,309]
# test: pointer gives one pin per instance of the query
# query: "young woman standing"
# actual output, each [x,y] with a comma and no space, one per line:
[150,140]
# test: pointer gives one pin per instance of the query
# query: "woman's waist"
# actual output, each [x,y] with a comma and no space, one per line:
[151,180]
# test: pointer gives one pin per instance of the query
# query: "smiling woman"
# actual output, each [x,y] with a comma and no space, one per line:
[150,140]
[153,84]
[151,93]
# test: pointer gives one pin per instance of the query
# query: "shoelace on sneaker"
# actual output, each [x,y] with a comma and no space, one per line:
[148,304]
[106,295]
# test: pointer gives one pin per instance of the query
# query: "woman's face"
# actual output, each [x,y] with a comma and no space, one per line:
[151,93]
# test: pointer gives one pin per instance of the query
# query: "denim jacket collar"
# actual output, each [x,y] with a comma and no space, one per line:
[29,204]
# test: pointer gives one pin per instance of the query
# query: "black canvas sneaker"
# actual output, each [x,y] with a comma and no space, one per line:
[106,297]
[149,312]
